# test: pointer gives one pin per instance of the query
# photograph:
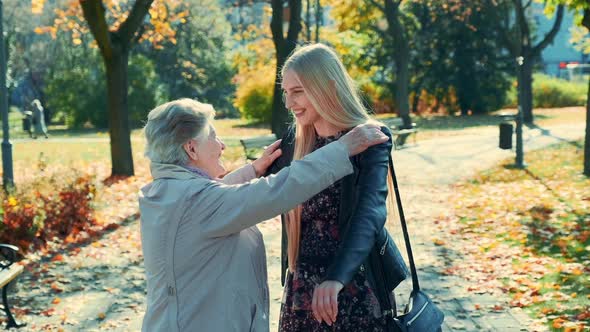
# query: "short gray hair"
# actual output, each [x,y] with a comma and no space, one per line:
[171,125]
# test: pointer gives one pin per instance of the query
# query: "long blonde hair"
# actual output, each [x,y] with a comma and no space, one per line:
[335,97]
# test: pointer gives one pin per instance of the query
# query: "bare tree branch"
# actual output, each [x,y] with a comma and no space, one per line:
[294,20]
[134,20]
[94,14]
[276,23]
[378,5]
[522,24]
[552,33]
[528,4]
[586,18]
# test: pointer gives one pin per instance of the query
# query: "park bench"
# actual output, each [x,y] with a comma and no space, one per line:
[8,273]
[253,146]
[400,135]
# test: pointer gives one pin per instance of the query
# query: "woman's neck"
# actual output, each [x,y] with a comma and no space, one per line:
[324,129]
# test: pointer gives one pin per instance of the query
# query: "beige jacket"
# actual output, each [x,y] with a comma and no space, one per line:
[204,258]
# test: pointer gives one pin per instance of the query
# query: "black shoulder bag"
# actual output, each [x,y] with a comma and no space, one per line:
[420,314]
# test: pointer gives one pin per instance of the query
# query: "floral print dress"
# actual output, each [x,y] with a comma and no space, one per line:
[358,307]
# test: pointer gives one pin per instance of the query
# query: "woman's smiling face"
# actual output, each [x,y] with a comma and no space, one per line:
[209,152]
[296,100]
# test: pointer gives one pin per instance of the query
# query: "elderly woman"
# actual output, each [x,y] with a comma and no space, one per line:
[204,258]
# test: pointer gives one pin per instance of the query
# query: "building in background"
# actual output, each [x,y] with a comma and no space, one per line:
[560,58]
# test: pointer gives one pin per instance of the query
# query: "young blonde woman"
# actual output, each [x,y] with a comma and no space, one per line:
[329,239]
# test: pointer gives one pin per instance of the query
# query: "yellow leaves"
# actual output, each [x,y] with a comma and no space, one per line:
[488,246]
[577,271]
[439,242]
[578,328]
[162,14]
[558,323]
[37,6]
[12,201]
[158,13]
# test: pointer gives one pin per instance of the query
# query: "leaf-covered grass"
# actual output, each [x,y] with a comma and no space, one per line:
[530,229]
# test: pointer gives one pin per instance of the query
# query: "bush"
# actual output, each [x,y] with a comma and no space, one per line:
[57,205]
[254,94]
[553,92]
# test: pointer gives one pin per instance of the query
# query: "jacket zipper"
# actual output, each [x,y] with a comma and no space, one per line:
[387,299]
[417,315]
[382,251]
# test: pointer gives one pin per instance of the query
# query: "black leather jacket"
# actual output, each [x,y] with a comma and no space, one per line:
[361,218]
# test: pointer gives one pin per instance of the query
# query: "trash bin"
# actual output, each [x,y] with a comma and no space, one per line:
[506,130]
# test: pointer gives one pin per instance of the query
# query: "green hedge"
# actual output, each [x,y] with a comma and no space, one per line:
[553,92]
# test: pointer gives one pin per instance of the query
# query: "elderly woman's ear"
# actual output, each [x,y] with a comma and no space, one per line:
[191,149]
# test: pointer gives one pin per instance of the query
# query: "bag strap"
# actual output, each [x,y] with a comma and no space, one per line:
[415,283]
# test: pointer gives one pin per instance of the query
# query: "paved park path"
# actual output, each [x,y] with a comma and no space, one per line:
[101,286]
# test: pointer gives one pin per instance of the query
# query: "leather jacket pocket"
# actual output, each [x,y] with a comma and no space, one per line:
[393,267]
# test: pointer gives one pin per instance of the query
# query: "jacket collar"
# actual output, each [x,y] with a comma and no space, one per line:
[171,171]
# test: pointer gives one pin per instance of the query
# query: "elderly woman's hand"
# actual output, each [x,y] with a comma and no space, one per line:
[362,137]
[270,154]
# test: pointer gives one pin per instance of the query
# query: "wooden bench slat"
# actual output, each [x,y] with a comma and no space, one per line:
[404,131]
[400,134]
[259,141]
[9,274]
[253,144]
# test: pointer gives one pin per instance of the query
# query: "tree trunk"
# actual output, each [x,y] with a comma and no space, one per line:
[587,138]
[526,86]
[416,99]
[318,19]
[401,47]
[280,114]
[402,79]
[116,72]
[308,20]
[284,47]
[586,23]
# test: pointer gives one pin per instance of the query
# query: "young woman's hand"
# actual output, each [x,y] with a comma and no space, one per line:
[325,301]
[362,137]
[270,154]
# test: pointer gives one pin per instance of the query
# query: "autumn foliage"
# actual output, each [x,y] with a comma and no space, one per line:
[526,233]
[159,26]
[57,206]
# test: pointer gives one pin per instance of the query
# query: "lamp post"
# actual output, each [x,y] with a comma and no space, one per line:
[7,175]
[519,117]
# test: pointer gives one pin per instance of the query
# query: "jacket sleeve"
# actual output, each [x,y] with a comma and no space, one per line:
[224,210]
[287,147]
[370,213]
[240,175]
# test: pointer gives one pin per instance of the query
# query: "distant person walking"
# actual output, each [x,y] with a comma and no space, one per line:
[38,119]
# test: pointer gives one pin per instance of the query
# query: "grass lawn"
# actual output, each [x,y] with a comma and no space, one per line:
[528,233]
